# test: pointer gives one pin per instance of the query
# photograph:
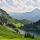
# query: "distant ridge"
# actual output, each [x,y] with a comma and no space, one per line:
[33,16]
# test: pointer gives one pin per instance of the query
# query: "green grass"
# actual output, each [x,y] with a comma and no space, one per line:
[20,39]
[6,34]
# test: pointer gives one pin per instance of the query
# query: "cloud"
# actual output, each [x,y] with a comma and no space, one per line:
[19,5]
[18,9]
[2,1]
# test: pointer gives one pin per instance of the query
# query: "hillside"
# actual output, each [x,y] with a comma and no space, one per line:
[7,33]
[25,21]
[4,17]
[5,22]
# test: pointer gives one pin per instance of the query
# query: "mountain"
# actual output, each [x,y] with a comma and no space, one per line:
[33,15]
[6,26]
[25,21]
[4,17]
[7,20]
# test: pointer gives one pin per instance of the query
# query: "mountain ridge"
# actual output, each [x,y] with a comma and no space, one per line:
[34,15]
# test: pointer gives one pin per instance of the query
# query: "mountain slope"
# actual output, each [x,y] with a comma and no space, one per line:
[7,33]
[25,21]
[5,22]
[4,17]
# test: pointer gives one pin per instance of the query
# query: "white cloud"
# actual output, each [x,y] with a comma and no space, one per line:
[2,1]
[19,5]
[18,9]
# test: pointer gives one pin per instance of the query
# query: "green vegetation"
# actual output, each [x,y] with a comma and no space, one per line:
[5,32]
[16,23]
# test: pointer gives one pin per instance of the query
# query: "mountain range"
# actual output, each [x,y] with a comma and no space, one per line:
[33,15]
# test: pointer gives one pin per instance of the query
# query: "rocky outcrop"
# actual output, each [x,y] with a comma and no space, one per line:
[4,17]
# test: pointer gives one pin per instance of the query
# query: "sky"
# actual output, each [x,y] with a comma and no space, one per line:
[19,5]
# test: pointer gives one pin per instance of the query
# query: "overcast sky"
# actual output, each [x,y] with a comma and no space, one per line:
[19,5]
